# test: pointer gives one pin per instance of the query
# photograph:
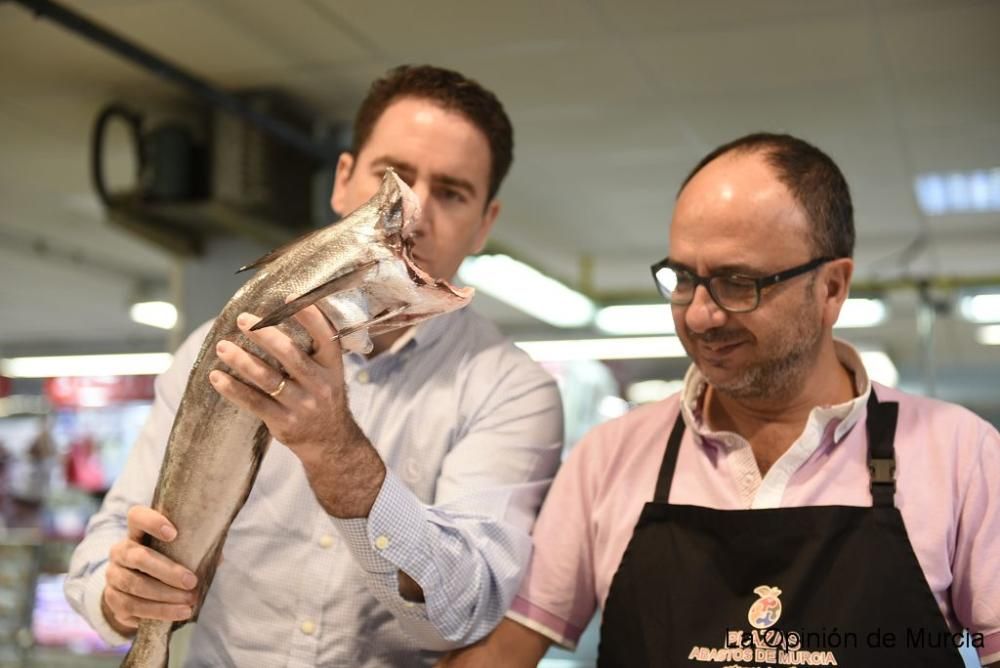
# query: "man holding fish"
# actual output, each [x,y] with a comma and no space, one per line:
[782,509]
[392,522]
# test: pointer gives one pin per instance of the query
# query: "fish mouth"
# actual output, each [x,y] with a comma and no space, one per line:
[411,210]
[421,277]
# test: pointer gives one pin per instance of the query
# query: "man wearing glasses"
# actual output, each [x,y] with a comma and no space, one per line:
[782,509]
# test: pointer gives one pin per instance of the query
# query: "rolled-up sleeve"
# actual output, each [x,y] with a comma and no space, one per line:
[976,586]
[557,597]
[469,549]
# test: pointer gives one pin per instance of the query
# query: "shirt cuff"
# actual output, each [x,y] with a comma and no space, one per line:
[92,595]
[392,537]
[545,623]
[990,651]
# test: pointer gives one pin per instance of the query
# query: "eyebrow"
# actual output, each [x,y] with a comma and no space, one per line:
[439,179]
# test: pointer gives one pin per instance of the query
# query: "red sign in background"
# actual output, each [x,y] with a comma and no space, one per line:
[80,392]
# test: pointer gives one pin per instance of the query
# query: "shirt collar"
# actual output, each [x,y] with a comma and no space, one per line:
[847,413]
[421,335]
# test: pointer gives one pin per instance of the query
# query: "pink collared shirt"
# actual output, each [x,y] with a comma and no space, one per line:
[948,477]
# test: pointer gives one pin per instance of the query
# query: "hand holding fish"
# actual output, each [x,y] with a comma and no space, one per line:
[142,583]
[358,274]
[306,410]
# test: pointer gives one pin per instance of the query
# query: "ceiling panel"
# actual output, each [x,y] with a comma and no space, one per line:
[408,30]
[942,38]
[759,58]
[968,99]
[663,17]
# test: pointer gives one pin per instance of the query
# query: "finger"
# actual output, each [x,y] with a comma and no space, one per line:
[146,560]
[140,585]
[127,607]
[142,520]
[297,363]
[243,396]
[112,614]
[252,368]
[328,352]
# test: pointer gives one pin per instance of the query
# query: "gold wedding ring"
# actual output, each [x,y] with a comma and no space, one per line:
[278,389]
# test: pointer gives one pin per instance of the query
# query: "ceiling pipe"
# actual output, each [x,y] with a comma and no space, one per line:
[166,70]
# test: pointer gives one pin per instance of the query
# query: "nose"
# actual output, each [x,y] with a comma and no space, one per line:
[703,314]
[423,192]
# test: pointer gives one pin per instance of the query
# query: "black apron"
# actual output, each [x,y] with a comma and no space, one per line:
[776,587]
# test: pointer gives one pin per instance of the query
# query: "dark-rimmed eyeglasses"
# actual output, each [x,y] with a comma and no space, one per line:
[732,292]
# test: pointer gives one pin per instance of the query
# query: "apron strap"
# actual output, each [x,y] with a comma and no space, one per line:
[666,475]
[881,427]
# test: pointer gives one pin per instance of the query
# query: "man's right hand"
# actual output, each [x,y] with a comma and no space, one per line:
[142,583]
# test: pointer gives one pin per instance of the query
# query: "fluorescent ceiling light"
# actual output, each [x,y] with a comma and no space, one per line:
[637,347]
[85,365]
[527,289]
[880,367]
[648,391]
[958,192]
[989,335]
[635,319]
[980,308]
[154,314]
[861,313]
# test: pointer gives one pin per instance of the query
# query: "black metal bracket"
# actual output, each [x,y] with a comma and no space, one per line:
[883,471]
[166,70]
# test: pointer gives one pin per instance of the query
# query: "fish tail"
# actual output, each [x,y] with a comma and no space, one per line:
[151,647]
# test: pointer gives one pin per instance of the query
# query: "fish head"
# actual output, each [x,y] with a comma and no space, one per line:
[362,274]
[397,208]
[396,291]
[401,292]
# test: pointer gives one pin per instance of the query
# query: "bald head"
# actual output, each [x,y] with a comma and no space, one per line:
[811,178]
[736,213]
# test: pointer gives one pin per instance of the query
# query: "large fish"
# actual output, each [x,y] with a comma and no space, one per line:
[360,274]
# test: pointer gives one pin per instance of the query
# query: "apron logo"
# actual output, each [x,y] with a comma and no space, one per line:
[766,610]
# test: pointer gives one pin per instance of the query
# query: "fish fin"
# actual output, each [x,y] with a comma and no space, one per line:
[353,329]
[275,253]
[342,283]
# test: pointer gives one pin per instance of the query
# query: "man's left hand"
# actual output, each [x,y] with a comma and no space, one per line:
[306,409]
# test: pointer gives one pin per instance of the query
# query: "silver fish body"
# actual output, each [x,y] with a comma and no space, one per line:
[360,274]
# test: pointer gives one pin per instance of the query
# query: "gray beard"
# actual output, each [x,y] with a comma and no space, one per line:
[783,372]
[776,378]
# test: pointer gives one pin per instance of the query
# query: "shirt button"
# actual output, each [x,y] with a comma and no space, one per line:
[363,377]
[308,627]
[382,542]
[326,541]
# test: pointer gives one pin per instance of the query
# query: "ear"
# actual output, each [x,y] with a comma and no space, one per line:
[489,217]
[345,167]
[834,286]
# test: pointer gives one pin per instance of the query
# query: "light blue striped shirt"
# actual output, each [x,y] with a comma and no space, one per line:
[470,430]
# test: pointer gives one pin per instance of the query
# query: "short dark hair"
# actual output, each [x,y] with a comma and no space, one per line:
[452,91]
[813,178]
